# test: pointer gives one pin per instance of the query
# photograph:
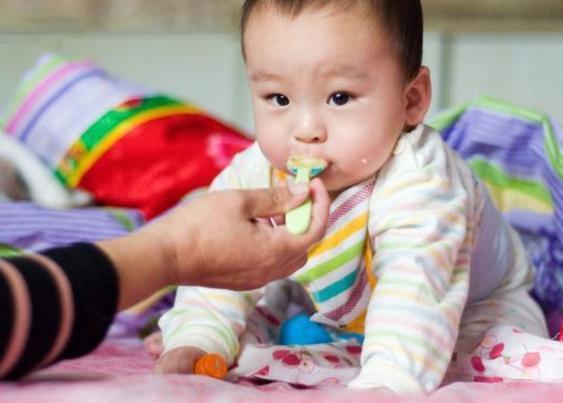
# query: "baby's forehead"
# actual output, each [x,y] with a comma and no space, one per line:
[395,25]
[340,30]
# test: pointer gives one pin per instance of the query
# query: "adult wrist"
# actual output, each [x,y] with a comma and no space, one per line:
[141,268]
[160,245]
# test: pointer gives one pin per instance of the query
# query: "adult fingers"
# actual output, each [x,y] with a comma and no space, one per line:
[321,208]
[292,249]
[270,202]
[317,228]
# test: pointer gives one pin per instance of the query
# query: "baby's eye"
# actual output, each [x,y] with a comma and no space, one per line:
[339,98]
[278,100]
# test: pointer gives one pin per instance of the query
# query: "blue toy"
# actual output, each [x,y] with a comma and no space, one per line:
[300,330]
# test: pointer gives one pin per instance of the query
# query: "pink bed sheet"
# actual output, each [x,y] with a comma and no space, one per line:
[120,371]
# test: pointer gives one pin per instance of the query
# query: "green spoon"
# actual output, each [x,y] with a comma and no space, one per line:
[304,168]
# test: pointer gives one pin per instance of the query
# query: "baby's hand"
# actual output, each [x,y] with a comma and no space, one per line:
[180,360]
[153,344]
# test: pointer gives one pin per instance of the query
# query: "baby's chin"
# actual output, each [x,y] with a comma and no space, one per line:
[335,186]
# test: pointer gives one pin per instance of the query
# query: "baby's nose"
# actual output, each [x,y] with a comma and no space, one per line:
[310,136]
[310,129]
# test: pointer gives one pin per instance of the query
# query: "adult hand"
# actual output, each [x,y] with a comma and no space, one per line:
[218,240]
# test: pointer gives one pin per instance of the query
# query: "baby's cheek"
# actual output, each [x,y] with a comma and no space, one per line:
[360,167]
[274,153]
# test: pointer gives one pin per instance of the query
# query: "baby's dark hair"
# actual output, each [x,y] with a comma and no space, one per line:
[402,19]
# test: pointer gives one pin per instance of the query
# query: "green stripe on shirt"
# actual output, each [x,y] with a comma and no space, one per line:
[333,264]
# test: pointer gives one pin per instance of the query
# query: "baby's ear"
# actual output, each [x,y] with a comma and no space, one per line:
[418,95]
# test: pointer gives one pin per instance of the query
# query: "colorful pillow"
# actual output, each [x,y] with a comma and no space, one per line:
[126,145]
[42,187]
[518,154]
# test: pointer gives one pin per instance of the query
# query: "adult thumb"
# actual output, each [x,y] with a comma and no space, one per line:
[269,202]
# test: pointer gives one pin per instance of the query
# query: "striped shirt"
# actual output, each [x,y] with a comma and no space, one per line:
[53,306]
[424,215]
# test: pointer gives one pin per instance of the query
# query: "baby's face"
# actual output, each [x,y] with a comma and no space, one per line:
[327,84]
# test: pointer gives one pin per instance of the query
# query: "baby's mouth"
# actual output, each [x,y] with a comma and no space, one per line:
[305,166]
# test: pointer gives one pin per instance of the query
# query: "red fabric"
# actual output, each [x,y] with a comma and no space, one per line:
[160,161]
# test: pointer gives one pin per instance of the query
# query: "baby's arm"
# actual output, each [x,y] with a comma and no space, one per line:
[422,238]
[204,319]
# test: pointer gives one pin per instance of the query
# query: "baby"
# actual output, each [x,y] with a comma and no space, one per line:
[415,256]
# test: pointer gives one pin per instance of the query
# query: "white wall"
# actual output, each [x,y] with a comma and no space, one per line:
[525,69]
[207,68]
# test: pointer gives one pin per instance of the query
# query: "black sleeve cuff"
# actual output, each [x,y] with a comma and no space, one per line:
[45,315]
[6,316]
[95,289]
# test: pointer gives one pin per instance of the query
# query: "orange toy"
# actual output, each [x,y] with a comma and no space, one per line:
[212,365]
